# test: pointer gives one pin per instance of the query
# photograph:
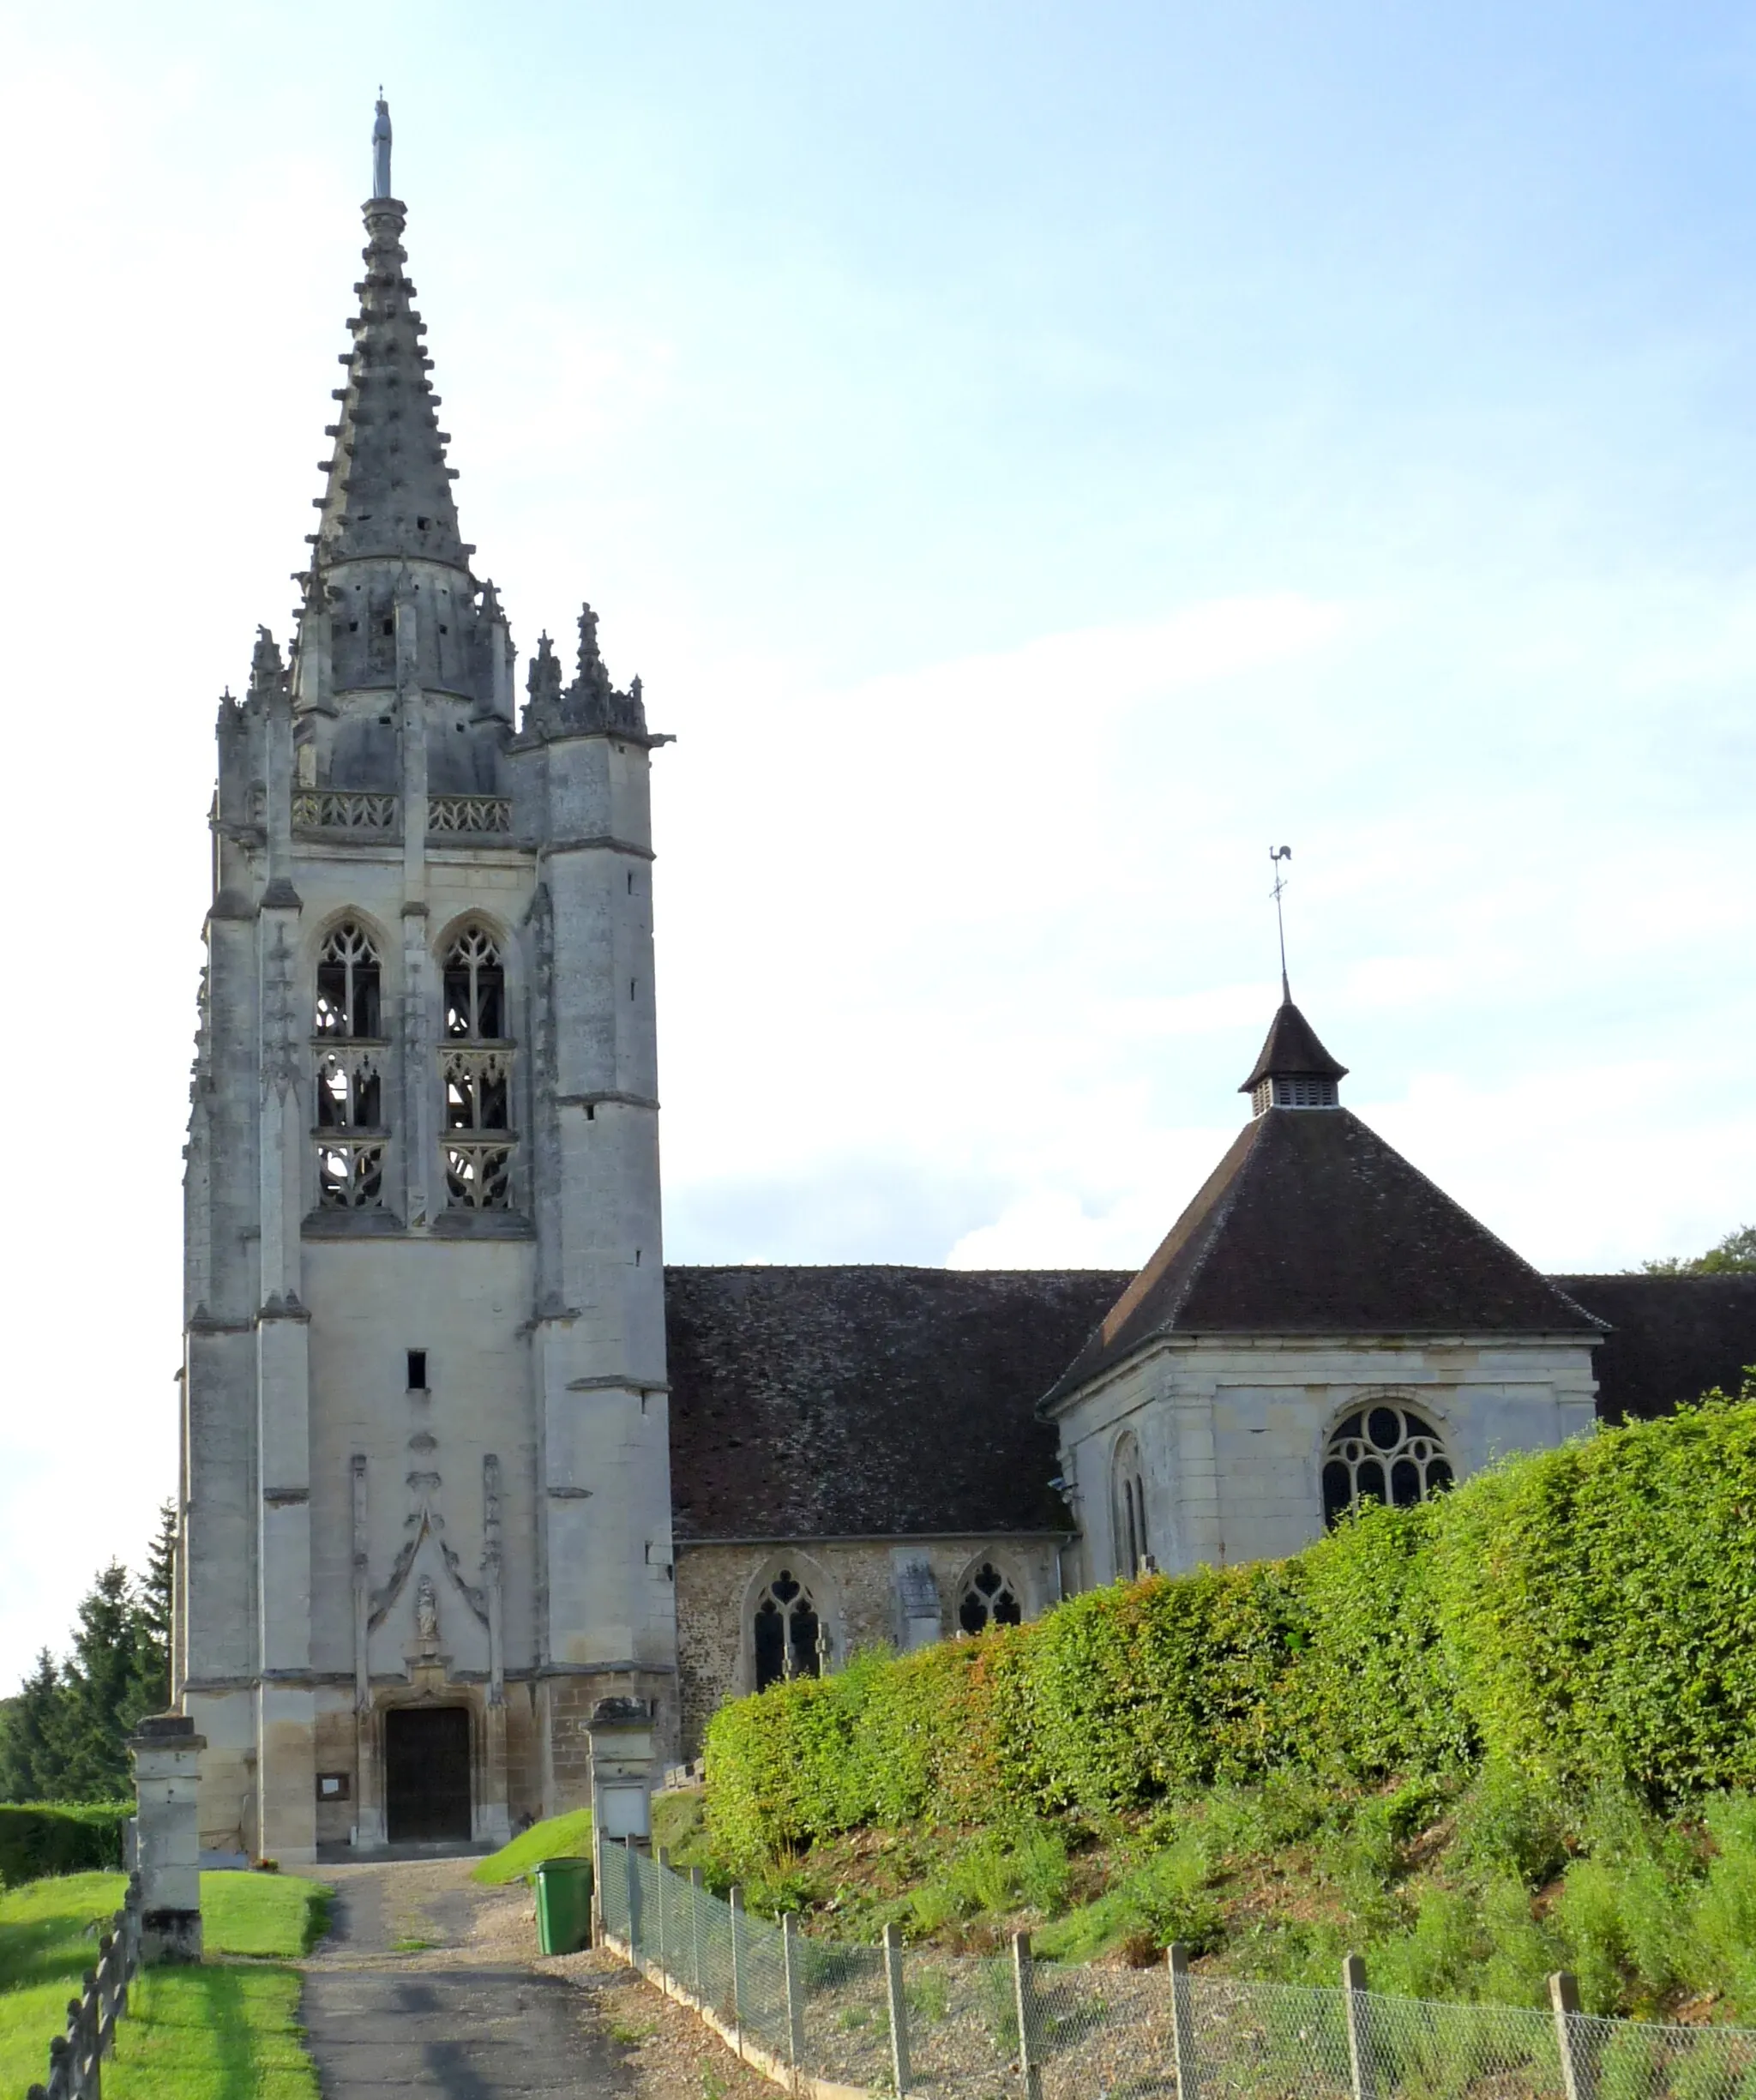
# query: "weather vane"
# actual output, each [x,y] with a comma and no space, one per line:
[1277,854]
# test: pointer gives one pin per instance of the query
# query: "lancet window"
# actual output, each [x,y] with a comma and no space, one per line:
[1383,1453]
[348,1001]
[1133,1555]
[347,1027]
[989,1599]
[475,1063]
[790,1640]
[475,988]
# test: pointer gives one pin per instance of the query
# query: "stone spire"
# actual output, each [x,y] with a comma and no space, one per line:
[388,490]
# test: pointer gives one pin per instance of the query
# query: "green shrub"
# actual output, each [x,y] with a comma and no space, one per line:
[1594,1603]
[1508,1823]
[1724,1911]
[1577,1616]
[1167,1897]
[45,1837]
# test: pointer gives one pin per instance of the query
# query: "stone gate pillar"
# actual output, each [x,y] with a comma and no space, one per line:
[621,1730]
[166,1755]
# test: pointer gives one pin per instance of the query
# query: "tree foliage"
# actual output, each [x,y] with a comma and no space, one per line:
[63,1737]
[1735,1254]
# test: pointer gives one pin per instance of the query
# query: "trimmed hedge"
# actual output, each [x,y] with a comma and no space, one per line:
[53,1837]
[1588,1613]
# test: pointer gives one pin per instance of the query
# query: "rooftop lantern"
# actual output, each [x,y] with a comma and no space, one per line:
[1294,1070]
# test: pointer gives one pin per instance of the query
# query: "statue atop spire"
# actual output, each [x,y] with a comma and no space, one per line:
[381,149]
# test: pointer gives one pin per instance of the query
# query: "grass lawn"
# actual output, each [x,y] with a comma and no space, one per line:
[223,2032]
[48,1937]
[263,1913]
[561,1836]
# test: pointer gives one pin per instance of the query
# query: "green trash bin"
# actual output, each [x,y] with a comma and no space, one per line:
[563,1905]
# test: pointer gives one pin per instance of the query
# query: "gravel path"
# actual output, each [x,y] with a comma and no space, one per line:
[427,1984]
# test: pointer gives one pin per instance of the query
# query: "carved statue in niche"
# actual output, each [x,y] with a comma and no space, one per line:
[427,1612]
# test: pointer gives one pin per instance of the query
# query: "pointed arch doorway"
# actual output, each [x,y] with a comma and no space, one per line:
[427,1775]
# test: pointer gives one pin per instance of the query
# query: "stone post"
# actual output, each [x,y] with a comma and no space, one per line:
[621,1732]
[166,1755]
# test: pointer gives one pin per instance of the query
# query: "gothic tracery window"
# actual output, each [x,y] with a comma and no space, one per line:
[345,1024]
[476,1072]
[478,1177]
[989,1599]
[475,988]
[1387,1453]
[350,1091]
[789,1638]
[348,1003]
[1133,1553]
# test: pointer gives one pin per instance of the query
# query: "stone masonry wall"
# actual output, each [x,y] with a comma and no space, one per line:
[855,1584]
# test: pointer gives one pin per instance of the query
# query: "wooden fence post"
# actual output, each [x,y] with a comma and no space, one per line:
[1025,2009]
[1353,1999]
[1564,2002]
[695,1931]
[1183,2022]
[899,2012]
[737,1962]
[795,1991]
[90,2047]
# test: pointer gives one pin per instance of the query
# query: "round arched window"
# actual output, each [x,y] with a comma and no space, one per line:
[989,1599]
[1382,1453]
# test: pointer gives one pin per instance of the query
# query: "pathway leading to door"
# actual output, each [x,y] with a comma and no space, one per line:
[428,1984]
[420,1987]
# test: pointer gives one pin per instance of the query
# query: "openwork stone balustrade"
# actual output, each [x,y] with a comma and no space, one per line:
[364,815]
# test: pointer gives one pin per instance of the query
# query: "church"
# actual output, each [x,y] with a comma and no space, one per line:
[461,1456]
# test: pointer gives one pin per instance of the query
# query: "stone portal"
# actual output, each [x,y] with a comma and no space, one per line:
[427,1773]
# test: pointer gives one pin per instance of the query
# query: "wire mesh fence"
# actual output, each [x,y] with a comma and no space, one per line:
[978,2027]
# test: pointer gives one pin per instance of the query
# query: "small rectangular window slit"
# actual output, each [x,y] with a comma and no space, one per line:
[418,1370]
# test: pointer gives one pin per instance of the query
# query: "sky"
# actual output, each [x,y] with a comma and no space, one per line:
[1037,457]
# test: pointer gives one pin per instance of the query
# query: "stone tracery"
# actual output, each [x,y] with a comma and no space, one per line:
[789,1637]
[1386,1453]
[349,1090]
[990,1599]
[476,1080]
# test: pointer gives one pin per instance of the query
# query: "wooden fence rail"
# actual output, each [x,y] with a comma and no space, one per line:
[77,2056]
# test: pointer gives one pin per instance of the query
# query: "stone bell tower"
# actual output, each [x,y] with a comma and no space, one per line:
[424,1491]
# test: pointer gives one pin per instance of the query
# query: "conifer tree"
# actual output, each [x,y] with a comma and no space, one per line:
[103,1698]
[64,1737]
[30,1756]
[157,1587]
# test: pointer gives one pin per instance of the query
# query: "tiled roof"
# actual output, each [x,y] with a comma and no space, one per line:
[1671,1338]
[896,1402]
[847,1402]
[1311,1224]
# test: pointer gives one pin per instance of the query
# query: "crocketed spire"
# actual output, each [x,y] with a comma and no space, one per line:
[591,704]
[389,488]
